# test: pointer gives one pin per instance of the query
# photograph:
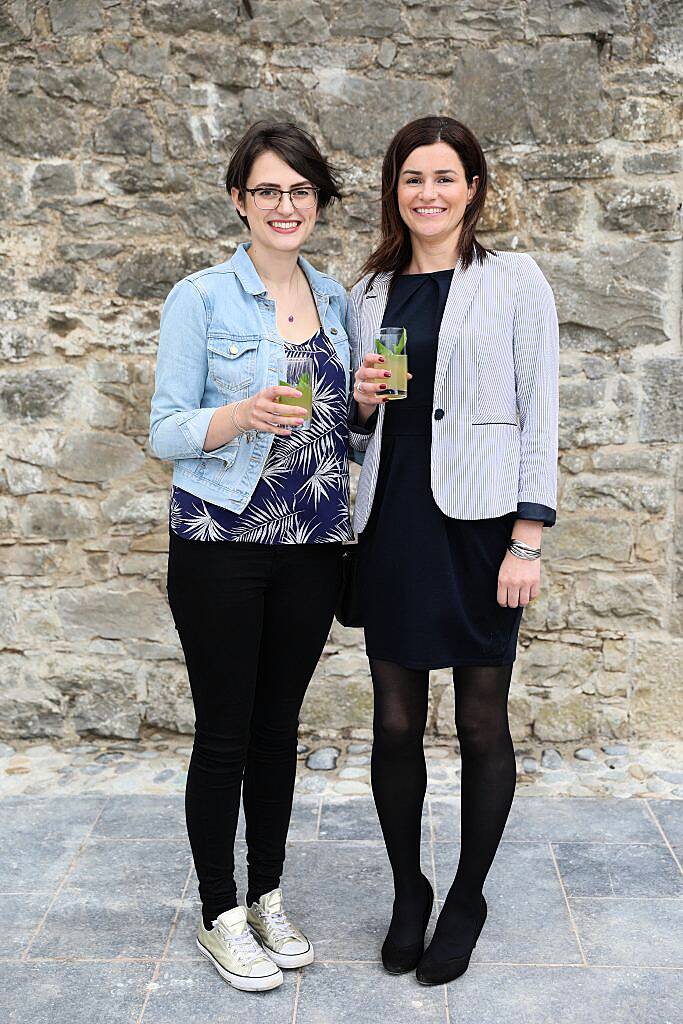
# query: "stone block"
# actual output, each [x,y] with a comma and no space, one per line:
[340,694]
[578,537]
[98,457]
[353,19]
[599,492]
[89,83]
[124,131]
[650,208]
[53,180]
[71,17]
[168,702]
[583,163]
[36,126]
[470,23]
[287,21]
[218,61]
[103,695]
[611,297]
[661,416]
[148,57]
[57,518]
[561,720]
[34,395]
[114,612]
[361,115]
[657,700]
[180,16]
[152,273]
[16,19]
[616,601]
[567,18]
[644,119]
[59,280]
[23,478]
[30,706]
[551,94]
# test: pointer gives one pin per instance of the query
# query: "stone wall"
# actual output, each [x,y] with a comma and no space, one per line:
[116,120]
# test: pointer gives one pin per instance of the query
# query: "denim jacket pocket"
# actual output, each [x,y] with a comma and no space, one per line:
[232,361]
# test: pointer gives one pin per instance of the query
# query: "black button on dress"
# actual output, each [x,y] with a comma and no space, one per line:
[429,582]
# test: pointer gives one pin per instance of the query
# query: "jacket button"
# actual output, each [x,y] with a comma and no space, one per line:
[333,330]
[233,350]
[439,414]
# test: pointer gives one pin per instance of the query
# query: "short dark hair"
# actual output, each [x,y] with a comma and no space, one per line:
[394,251]
[293,145]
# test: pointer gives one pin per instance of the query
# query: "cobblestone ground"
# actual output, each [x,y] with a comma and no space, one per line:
[98,903]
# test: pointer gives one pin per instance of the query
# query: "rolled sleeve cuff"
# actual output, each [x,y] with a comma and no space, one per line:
[360,434]
[195,427]
[540,513]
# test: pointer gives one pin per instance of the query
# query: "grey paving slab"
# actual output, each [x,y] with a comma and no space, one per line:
[632,932]
[72,993]
[336,993]
[19,918]
[356,818]
[351,818]
[142,817]
[86,925]
[669,814]
[607,869]
[122,869]
[546,995]
[183,945]
[528,921]
[581,819]
[195,992]
[445,818]
[33,861]
[68,817]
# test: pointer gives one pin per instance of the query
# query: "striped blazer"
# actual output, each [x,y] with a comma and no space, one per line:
[495,406]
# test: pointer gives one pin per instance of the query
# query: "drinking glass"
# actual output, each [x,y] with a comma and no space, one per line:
[300,370]
[391,343]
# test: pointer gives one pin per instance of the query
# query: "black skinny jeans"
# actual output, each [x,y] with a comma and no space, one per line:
[252,621]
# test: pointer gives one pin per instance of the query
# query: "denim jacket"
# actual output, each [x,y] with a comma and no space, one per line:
[219,343]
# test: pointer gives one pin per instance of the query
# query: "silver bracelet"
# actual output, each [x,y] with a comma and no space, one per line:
[522,550]
[233,412]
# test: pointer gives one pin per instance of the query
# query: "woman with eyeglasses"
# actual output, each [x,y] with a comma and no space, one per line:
[458,482]
[259,510]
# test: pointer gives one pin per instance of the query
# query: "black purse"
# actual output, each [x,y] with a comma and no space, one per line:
[349,609]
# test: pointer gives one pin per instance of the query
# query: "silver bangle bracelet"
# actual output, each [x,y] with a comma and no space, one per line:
[522,550]
[233,413]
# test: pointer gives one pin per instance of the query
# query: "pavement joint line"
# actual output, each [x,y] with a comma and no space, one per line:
[664,835]
[318,817]
[163,959]
[337,839]
[567,905]
[62,883]
[295,1007]
[180,959]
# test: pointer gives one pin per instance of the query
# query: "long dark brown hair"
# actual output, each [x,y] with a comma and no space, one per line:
[395,251]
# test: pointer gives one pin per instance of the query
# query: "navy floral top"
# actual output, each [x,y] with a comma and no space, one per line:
[302,496]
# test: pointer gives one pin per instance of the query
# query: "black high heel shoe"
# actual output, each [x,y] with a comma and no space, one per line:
[431,970]
[401,959]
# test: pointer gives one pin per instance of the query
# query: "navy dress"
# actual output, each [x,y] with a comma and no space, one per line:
[429,582]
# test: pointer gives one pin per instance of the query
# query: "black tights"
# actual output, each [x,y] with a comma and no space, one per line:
[399,781]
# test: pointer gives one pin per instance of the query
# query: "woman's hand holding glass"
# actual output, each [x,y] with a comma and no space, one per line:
[263,411]
[370,380]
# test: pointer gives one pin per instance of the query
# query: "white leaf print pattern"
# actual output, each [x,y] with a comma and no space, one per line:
[322,481]
[263,525]
[200,524]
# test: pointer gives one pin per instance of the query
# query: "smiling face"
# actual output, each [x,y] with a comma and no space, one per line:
[286,228]
[433,192]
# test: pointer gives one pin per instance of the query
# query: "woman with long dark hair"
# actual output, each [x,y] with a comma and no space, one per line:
[458,481]
[258,514]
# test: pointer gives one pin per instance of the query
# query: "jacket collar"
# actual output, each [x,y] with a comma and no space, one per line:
[251,282]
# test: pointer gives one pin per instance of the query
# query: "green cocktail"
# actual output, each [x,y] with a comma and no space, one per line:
[391,344]
[299,376]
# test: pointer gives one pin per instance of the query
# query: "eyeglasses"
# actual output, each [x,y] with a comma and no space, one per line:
[303,198]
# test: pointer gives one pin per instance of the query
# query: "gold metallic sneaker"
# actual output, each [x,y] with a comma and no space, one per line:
[282,940]
[235,954]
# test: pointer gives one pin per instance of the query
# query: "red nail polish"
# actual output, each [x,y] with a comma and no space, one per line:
[387,373]
[382,387]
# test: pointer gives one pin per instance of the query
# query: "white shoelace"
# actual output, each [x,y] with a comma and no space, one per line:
[281,926]
[245,946]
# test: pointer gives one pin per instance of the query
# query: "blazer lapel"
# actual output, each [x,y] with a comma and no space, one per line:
[460,295]
[372,314]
